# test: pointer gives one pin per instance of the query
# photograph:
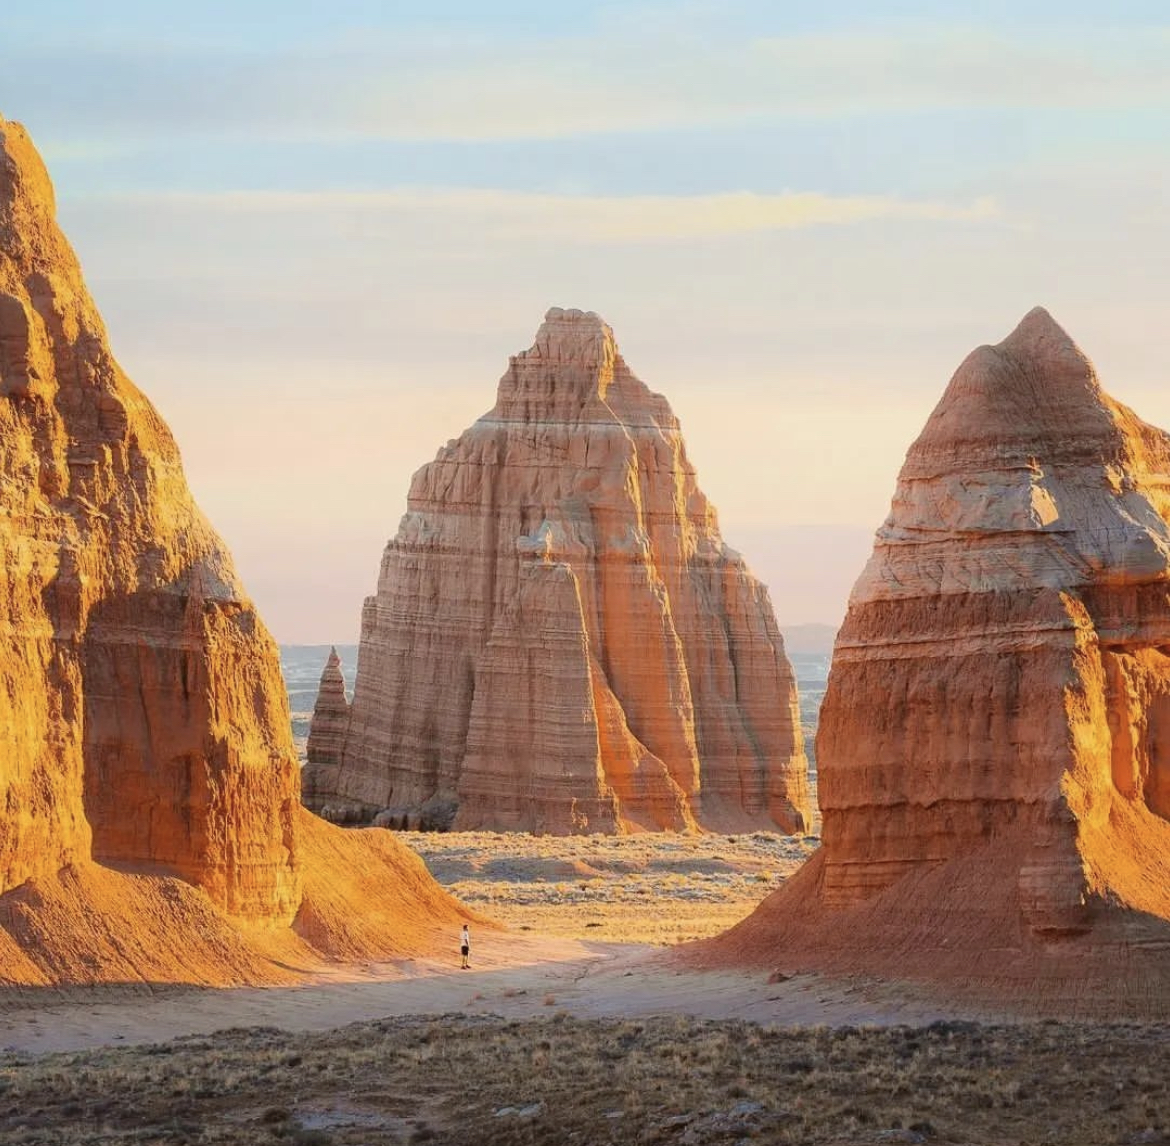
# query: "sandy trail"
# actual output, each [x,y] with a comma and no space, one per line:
[512,976]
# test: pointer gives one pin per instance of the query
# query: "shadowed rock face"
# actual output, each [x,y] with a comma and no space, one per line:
[145,723]
[560,639]
[994,743]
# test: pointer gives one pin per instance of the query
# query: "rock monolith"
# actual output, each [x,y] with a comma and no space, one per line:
[994,743]
[330,715]
[150,819]
[560,640]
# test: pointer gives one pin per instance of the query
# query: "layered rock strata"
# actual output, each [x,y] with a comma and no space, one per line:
[145,725]
[330,715]
[560,640]
[994,743]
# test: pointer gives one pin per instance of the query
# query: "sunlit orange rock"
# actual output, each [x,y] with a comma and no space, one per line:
[994,744]
[143,722]
[560,640]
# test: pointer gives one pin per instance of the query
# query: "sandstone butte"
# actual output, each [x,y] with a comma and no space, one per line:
[150,819]
[994,745]
[560,640]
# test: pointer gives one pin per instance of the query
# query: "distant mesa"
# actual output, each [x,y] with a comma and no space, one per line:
[560,640]
[151,827]
[994,744]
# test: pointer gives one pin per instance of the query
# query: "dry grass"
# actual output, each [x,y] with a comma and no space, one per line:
[559,1080]
[555,1080]
[656,888]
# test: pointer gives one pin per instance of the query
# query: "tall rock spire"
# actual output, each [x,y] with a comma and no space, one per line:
[560,640]
[330,716]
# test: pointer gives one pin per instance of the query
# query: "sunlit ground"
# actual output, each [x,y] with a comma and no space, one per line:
[652,888]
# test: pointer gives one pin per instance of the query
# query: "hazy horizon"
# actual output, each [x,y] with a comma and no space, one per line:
[317,235]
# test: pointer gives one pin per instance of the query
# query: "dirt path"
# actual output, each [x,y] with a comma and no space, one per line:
[512,976]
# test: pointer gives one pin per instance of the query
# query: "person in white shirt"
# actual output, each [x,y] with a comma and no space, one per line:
[465,947]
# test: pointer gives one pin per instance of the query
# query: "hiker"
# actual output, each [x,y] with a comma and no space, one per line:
[465,947]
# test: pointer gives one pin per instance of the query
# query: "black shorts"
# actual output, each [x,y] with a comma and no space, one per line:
[465,950]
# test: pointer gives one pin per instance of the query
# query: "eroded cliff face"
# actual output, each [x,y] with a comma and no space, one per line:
[998,695]
[560,640]
[145,723]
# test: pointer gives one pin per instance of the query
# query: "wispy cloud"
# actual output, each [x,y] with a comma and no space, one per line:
[969,68]
[478,88]
[512,216]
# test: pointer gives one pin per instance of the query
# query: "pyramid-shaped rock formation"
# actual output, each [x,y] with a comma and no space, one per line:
[994,743]
[150,820]
[330,715]
[560,640]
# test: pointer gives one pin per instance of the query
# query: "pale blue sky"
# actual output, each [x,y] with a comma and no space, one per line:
[317,232]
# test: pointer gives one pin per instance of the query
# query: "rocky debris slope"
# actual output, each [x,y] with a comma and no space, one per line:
[560,640]
[994,744]
[151,823]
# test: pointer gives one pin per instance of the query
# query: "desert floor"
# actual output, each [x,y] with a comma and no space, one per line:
[651,888]
[570,1027]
